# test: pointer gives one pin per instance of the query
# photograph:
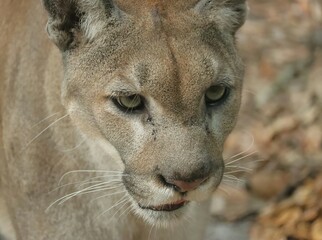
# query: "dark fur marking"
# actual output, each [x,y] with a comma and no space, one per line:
[64,19]
[109,6]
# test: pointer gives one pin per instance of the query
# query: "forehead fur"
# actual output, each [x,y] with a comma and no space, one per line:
[175,62]
[161,4]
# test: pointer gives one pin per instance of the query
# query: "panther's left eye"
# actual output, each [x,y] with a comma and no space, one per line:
[129,103]
[216,94]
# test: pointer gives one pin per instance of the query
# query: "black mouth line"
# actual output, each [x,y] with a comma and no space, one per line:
[166,207]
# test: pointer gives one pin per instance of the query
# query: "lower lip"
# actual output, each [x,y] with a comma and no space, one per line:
[167,207]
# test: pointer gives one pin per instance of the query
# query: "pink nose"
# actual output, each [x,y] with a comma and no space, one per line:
[183,186]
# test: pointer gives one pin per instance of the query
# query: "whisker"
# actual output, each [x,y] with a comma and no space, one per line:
[229,182]
[240,167]
[233,179]
[238,159]
[120,209]
[122,200]
[44,130]
[245,151]
[75,183]
[232,184]
[91,189]
[50,116]
[248,163]
[87,181]
[74,148]
[100,183]
[127,210]
[151,230]
[73,194]
[89,171]
[111,181]
[237,171]
[229,176]
[107,195]
[256,161]
[222,188]
[100,186]
[188,218]
[130,209]
[114,178]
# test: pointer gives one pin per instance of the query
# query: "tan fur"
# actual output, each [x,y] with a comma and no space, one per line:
[58,117]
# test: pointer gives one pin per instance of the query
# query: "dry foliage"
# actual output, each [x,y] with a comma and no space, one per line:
[282,110]
[299,216]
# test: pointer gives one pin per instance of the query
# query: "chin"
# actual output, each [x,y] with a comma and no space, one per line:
[166,215]
[170,208]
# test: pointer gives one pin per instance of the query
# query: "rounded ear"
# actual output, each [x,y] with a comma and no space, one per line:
[229,15]
[70,21]
[63,22]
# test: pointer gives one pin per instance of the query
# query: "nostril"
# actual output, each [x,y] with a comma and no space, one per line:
[165,182]
[181,185]
[185,186]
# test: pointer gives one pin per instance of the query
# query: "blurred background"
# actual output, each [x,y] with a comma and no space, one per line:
[272,189]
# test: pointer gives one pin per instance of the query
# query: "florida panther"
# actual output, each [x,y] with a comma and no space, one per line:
[128,114]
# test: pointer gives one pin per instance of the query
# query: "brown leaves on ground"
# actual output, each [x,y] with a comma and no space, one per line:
[282,110]
[296,217]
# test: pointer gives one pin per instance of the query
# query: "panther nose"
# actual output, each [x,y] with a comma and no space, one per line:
[186,186]
[183,186]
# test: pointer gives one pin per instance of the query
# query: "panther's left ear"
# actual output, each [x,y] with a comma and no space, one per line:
[73,21]
[229,15]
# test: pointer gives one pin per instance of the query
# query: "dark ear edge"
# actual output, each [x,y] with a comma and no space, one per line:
[229,15]
[238,16]
[63,22]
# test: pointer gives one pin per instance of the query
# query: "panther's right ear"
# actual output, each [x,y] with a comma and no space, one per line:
[229,15]
[71,21]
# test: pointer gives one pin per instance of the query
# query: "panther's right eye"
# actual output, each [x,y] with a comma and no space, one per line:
[130,103]
[216,94]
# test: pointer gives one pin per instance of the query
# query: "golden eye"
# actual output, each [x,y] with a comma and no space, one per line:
[215,94]
[129,103]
